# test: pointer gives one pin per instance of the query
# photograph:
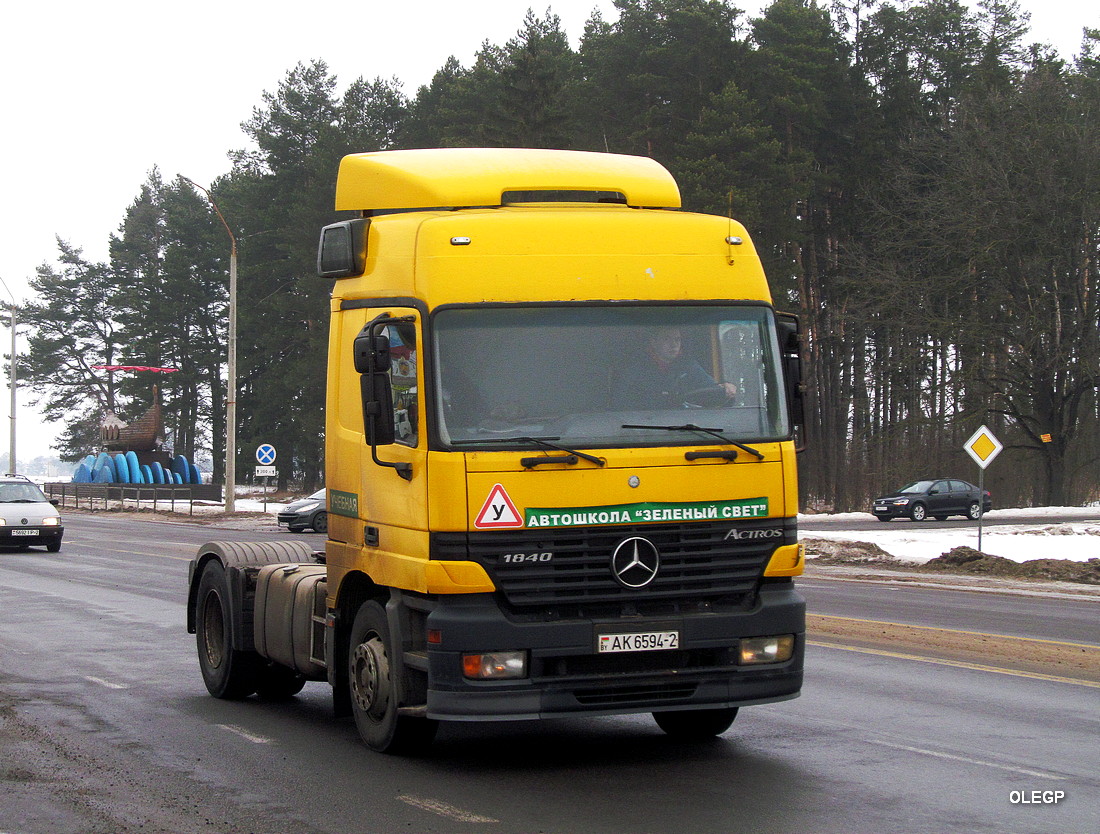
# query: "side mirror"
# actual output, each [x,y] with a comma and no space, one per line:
[377,408]
[372,351]
[372,362]
[790,345]
[342,250]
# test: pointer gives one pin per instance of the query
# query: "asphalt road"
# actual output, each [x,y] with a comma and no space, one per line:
[1012,615]
[105,726]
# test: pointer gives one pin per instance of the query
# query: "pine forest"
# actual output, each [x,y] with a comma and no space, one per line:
[921,180]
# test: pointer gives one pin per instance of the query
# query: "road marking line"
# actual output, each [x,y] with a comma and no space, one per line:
[107,684]
[442,809]
[959,631]
[960,664]
[244,734]
[951,757]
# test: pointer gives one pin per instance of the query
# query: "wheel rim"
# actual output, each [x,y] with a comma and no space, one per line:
[974,513]
[370,677]
[918,513]
[213,630]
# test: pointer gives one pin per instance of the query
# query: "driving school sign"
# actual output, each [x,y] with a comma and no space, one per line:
[647,512]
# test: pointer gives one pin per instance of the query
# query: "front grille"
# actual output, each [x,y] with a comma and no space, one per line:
[633,663]
[698,562]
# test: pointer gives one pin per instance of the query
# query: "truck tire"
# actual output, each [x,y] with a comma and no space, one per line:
[371,686]
[228,673]
[697,724]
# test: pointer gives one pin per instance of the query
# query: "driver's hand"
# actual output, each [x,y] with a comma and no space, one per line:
[730,389]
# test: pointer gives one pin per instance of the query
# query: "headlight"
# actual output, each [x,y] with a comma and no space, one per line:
[774,649]
[308,508]
[3,522]
[495,665]
[51,521]
[901,501]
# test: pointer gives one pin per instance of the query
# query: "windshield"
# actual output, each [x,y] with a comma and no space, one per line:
[578,375]
[20,493]
[917,486]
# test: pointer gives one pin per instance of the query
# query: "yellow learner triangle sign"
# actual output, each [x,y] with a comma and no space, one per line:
[983,447]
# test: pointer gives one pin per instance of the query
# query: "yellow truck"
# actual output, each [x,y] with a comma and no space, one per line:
[560,461]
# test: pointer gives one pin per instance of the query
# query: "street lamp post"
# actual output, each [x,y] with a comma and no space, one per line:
[231,382]
[11,447]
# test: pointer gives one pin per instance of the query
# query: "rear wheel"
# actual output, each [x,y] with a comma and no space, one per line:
[371,682]
[918,512]
[884,518]
[696,724]
[973,511]
[228,673]
[53,547]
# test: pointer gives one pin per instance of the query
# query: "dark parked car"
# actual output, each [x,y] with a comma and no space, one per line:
[939,499]
[306,512]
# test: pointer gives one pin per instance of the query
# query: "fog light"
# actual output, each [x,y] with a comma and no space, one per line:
[495,665]
[774,649]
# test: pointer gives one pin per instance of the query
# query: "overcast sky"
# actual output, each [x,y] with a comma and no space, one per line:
[97,94]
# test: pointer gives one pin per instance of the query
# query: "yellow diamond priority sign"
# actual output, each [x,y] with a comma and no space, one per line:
[983,447]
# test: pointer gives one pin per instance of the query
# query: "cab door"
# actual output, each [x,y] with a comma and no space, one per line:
[378,491]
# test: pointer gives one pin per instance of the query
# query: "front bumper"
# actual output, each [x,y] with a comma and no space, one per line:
[38,535]
[567,676]
[891,510]
[292,519]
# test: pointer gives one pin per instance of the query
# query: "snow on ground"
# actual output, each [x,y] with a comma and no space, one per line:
[1077,541]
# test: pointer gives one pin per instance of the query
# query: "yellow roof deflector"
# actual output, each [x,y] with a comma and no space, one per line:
[448,177]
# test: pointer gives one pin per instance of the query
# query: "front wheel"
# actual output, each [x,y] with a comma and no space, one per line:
[918,513]
[374,696]
[228,673]
[694,725]
[973,512]
[320,522]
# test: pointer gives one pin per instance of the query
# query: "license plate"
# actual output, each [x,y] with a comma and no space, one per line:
[644,641]
[18,532]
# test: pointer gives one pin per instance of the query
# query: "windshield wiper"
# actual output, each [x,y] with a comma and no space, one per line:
[540,441]
[712,432]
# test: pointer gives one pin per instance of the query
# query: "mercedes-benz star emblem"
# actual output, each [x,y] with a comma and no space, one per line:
[635,561]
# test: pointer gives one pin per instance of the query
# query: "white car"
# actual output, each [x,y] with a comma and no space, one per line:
[27,516]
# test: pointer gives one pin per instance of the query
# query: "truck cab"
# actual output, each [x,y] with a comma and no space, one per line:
[560,453]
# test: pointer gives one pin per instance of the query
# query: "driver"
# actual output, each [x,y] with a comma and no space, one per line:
[668,379]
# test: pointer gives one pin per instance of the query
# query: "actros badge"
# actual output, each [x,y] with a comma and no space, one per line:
[755,534]
[635,562]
